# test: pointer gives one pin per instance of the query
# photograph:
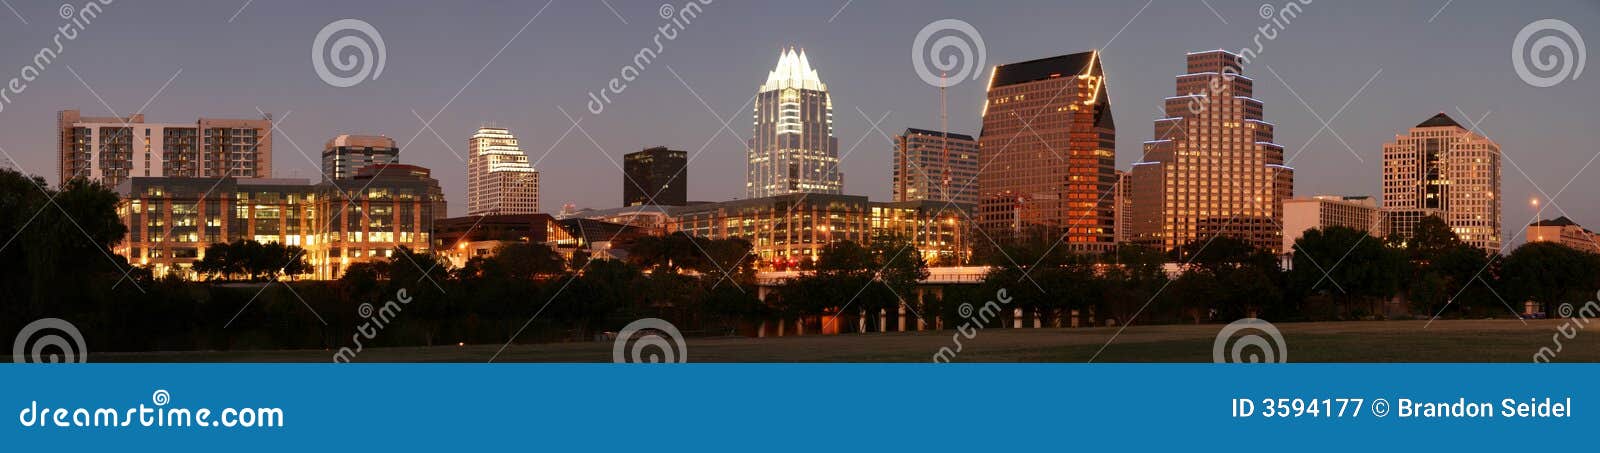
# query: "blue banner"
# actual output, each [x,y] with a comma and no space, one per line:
[795,407]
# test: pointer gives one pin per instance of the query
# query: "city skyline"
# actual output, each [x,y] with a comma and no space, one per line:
[1388,91]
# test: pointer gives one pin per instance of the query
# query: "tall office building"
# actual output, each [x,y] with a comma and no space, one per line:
[1213,168]
[112,149]
[499,178]
[1124,203]
[937,166]
[345,155]
[1441,168]
[1049,149]
[656,176]
[793,149]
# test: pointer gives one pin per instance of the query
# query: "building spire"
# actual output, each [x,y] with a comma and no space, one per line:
[793,71]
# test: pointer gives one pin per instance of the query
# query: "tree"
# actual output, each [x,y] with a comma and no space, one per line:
[252,260]
[57,245]
[1228,277]
[1346,265]
[899,267]
[1431,238]
[525,261]
[1550,274]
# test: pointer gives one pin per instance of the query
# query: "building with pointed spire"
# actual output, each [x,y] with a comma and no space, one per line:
[1048,148]
[1213,168]
[793,149]
[500,180]
[1441,168]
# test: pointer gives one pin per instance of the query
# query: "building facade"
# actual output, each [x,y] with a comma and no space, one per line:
[1441,167]
[937,166]
[790,231]
[112,149]
[1213,168]
[459,239]
[1564,231]
[793,149]
[382,207]
[1124,201]
[345,155]
[1324,211]
[499,178]
[652,219]
[171,220]
[657,176]
[1048,147]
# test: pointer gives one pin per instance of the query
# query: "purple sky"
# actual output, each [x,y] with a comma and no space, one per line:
[235,61]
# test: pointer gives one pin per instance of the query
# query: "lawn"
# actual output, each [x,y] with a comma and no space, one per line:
[1365,341]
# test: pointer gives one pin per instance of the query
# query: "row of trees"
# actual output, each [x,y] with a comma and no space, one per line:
[58,264]
[251,260]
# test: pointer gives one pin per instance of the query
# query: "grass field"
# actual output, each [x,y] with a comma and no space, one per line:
[1365,341]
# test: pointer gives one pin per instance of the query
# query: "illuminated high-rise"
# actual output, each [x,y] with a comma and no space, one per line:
[937,166]
[1048,147]
[1213,168]
[1442,168]
[499,178]
[793,149]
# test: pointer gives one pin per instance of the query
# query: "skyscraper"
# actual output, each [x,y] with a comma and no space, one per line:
[793,149]
[657,176]
[345,155]
[112,149]
[499,178]
[1442,168]
[1213,168]
[1048,147]
[936,166]
[1124,202]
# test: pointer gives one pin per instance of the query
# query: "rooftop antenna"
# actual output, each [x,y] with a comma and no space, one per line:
[944,132]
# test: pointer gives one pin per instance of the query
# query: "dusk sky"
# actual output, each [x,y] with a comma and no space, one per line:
[229,62]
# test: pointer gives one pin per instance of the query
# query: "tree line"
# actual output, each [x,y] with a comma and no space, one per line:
[59,263]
